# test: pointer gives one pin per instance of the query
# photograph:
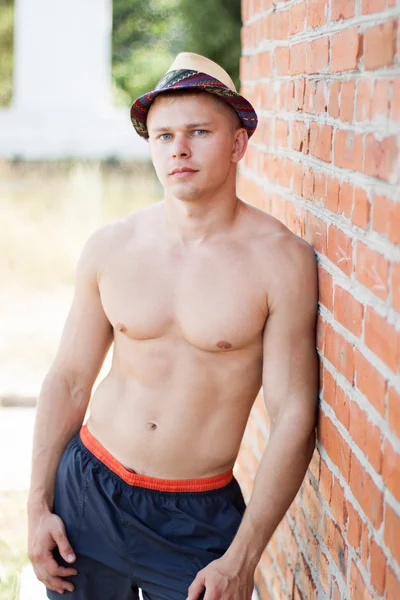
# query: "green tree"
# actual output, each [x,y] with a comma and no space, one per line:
[6,50]
[148,34]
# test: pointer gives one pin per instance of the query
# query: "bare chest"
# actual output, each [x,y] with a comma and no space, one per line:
[214,302]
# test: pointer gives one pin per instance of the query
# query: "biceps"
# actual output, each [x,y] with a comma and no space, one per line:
[86,338]
[290,371]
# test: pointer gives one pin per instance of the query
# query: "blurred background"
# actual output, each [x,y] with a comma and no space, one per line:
[70,161]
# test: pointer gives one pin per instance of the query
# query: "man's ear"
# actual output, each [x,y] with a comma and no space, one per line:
[240,144]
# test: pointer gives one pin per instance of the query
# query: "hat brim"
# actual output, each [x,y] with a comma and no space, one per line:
[189,79]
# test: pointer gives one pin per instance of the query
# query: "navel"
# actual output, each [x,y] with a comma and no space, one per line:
[224,345]
[152,426]
[121,327]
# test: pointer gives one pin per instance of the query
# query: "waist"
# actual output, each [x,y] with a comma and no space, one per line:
[154,483]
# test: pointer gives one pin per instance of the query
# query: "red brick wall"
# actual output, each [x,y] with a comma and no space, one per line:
[324,76]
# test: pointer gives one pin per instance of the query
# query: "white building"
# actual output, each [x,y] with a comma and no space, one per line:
[61,105]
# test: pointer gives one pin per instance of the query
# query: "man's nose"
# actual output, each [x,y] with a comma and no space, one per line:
[181,147]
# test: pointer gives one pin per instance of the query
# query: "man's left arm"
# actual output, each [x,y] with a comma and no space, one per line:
[290,390]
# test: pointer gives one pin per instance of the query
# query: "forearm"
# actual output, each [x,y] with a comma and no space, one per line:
[60,413]
[278,479]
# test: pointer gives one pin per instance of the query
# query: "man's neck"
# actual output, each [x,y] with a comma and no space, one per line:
[195,221]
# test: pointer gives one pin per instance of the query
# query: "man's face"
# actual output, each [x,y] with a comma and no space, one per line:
[197,133]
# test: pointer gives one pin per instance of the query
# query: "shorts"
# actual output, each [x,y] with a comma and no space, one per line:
[131,531]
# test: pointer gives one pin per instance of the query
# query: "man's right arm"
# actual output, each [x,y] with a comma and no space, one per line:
[64,397]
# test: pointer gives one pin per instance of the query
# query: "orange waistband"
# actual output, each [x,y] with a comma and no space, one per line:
[153,483]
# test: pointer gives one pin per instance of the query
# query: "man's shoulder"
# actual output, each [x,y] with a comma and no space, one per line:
[274,236]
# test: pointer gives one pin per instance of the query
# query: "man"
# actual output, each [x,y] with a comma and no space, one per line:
[205,298]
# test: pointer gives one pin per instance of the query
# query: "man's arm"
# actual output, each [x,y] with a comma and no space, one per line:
[290,389]
[62,405]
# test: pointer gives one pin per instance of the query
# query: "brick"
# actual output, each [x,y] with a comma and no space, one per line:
[339,250]
[335,544]
[297,18]
[358,588]
[378,568]
[333,95]
[335,592]
[348,150]
[365,545]
[320,141]
[386,218]
[392,532]
[319,187]
[361,208]
[353,526]
[332,194]
[309,97]
[335,446]
[320,97]
[300,136]
[323,571]
[346,192]
[342,9]
[325,288]
[370,382]
[339,352]
[315,465]
[372,6]
[308,183]
[395,283]
[381,157]
[281,133]
[379,45]
[325,482]
[346,47]
[394,411]
[298,58]
[380,100]
[281,60]
[395,105]
[392,585]
[338,503]
[367,436]
[391,469]
[369,497]
[381,338]
[317,13]
[364,98]
[315,233]
[337,399]
[317,56]
[299,88]
[347,93]
[348,311]
[372,270]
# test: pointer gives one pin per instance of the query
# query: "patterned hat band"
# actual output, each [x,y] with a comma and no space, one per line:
[182,79]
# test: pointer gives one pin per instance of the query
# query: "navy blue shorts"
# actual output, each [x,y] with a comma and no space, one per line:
[131,532]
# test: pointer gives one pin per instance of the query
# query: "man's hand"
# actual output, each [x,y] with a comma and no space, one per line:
[47,533]
[223,581]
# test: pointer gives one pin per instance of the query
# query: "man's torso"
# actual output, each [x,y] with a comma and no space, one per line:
[188,335]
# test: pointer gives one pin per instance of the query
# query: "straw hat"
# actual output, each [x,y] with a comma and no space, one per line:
[191,70]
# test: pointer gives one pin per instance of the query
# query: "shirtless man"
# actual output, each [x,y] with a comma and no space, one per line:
[206,298]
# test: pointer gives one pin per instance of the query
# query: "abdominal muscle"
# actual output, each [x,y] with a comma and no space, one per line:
[170,410]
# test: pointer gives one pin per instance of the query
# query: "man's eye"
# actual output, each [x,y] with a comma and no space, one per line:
[201,132]
[165,136]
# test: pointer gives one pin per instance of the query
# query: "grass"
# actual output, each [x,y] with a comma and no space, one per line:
[13,540]
[47,211]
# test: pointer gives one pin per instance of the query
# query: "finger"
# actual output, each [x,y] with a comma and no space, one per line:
[196,588]
[55,584]
[63,544]
[53,568]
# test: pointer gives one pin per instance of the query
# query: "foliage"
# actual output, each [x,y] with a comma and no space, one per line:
[6,50]
[148,34]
